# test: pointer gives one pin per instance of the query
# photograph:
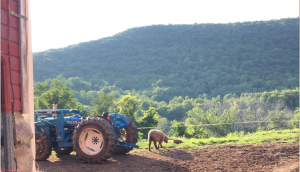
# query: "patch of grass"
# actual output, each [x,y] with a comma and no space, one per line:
[273,136]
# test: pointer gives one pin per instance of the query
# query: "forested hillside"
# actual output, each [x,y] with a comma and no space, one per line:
[181,60]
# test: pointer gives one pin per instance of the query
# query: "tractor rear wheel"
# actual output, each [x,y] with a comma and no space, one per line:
[63,151]
[129,135]
[94,141]
[43,145]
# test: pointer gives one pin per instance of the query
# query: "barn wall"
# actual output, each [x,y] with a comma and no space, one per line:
[11,48]
[16,48]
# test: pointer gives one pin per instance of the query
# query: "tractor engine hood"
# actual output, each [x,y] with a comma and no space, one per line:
[51,121]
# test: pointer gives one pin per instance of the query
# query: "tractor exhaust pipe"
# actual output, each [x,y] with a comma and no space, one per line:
[55,106]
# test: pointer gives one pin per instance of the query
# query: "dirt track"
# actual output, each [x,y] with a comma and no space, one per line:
[266,157]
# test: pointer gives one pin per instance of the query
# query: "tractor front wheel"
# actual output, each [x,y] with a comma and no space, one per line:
[43,145]
[63,151]
[94,141]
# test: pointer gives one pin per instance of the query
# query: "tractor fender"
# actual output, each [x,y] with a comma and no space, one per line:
[121,121]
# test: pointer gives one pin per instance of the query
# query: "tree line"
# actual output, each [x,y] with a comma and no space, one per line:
[275,106]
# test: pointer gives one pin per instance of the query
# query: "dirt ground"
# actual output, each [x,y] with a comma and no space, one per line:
[264,157]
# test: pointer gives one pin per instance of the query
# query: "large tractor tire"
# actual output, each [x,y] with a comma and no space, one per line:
[94,141]
[129,135]
[63,151]
[43,145]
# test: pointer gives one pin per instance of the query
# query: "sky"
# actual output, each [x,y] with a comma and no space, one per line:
[60,23]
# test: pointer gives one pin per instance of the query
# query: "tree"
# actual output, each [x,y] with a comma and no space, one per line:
[102,104]
[150,119]
[129,105]
[162,124]
[40,87]
[57,92]
[295,120]
[178,128]
[278,119]
[195,118]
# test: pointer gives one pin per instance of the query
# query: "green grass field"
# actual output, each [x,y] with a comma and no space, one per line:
[274,136]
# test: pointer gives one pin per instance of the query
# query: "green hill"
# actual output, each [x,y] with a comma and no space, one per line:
[180,60]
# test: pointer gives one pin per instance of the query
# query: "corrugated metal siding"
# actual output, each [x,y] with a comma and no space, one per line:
[14,48]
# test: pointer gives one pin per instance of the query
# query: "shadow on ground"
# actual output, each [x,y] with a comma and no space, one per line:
[117,163]
[174,153]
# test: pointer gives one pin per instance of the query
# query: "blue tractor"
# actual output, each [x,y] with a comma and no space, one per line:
[94,139]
